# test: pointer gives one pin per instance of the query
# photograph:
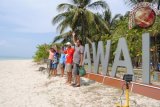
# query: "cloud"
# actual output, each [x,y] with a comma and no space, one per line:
[34,15]
[26,23]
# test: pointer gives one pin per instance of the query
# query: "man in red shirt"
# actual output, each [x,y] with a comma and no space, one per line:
[69,60]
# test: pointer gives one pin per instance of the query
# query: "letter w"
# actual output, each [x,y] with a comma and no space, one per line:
[98,56]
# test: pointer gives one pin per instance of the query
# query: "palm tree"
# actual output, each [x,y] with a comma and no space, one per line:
[78,16]
[111,22]
[106,17]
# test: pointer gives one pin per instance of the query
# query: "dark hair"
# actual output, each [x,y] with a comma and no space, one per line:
[54,50]
[62,48]
[80,41]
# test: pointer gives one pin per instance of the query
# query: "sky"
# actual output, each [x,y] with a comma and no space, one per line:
[26,23]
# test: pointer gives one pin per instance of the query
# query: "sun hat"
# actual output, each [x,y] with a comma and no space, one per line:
[68,43]
[54,47]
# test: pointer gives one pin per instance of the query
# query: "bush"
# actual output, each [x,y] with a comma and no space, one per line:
[41,53]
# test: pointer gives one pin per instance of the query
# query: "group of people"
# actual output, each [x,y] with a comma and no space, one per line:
[71,58]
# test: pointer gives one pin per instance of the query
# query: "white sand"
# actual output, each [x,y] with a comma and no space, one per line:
[21,85]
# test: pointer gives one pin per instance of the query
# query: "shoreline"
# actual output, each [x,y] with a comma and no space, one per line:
[14,58]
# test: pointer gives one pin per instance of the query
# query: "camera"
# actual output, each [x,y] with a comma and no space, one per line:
[127,77]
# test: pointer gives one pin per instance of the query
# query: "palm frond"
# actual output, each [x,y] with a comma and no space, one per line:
[89,16]
[107,15]
[62,26]
[133,2]
[89,40]
[60,17]
[62,37]
[65,6]
[115,18]
[86,2]
[74,1]
[98,4]
[65,23]
[57,38]
[77,13]
[102,23]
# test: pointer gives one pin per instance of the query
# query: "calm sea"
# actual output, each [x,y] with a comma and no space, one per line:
[13,58]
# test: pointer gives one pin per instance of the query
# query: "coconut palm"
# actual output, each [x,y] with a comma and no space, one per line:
[111,22]
[78,16]
[106,17]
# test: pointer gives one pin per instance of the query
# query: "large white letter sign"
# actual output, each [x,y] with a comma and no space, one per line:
[146,58]
[87,58]
[105,60]
[98,56]
[122,48]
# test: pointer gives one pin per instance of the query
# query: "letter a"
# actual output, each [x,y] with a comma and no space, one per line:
[87,58]
[122,48]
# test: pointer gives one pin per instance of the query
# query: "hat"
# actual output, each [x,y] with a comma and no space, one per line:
[54,47]
[68,43]
[51,48]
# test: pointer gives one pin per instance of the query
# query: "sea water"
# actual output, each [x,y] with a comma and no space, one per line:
[14,58]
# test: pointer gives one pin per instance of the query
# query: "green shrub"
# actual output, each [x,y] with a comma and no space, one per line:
[41,53]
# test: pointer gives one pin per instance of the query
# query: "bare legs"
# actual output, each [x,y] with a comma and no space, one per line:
[54,73]
[69,77]
[76,75]
[78,79]
[62,71]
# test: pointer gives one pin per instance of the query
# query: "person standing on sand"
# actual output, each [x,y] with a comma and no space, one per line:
[50,59]
[62,59]
[55,63]
[77,60]
[69,60]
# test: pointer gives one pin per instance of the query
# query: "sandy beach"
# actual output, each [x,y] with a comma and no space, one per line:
[22,85]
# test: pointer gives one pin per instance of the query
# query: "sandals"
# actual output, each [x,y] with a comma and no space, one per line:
[77,85]
[73,84]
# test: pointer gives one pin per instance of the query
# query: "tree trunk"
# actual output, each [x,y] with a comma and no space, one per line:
[155,53]
[158,4]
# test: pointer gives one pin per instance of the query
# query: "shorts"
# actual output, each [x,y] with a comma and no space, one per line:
[54,66]
[61,65]
[76,69]
[68,68]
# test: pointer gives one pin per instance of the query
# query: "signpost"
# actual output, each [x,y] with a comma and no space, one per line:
[122,49]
